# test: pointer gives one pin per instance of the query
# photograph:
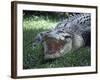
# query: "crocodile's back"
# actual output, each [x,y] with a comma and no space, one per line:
[77,23]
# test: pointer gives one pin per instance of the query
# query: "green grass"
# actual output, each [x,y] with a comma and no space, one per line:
[34,58]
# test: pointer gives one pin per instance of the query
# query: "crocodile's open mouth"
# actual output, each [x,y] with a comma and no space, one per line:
[53,47]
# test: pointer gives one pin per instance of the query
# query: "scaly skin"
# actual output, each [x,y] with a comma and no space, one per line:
[74,32]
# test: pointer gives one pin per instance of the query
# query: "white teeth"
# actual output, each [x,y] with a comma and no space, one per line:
[62,38]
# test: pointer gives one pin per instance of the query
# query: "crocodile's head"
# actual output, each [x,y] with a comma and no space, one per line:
[56,43]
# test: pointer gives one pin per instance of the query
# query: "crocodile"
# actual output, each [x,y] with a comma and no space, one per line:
[69,34]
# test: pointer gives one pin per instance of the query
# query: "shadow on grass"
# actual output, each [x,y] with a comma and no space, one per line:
[34,58]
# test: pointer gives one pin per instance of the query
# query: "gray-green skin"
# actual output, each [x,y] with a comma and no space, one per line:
[74,32]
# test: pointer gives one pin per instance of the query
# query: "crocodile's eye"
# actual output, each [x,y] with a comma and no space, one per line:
[60,32]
